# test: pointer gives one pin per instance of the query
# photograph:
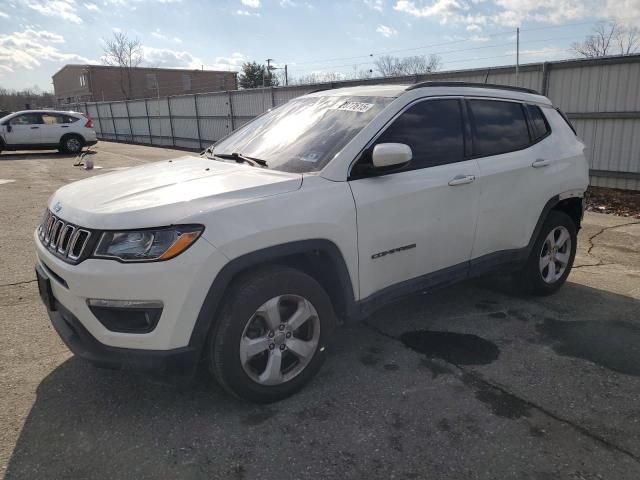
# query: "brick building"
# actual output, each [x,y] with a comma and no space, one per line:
[95,83]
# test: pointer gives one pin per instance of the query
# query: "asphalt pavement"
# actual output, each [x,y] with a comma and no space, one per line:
[469,382]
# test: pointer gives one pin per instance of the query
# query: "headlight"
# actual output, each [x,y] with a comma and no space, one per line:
[147,245]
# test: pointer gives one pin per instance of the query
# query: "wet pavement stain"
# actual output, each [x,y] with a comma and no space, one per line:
[497,315]
[611,344]
[500,403]
[455,348]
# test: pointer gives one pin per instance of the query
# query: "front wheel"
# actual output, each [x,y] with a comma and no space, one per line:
[271,337]
[551,258]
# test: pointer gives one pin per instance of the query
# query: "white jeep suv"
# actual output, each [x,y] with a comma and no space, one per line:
[316,212]
[45,130]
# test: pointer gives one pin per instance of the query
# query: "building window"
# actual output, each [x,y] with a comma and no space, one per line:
[152,81]
[83,80]
[186,82]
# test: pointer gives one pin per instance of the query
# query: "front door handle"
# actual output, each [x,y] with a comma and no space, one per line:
[33,128]
[461,180]
[541,162]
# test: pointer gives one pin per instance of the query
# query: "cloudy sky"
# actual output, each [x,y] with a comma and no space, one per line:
[37,37]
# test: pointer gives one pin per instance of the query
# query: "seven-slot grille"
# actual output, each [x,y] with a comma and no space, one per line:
[61,238]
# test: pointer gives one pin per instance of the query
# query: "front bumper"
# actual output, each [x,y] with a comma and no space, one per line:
[179,362]
[181,284]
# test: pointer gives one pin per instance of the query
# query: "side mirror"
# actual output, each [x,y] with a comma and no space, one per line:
[8,127]
[391,155]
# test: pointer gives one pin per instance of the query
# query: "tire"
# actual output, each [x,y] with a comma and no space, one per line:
[536,278]
[249,316]
[72,144]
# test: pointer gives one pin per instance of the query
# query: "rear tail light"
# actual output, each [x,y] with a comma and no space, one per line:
[89,123]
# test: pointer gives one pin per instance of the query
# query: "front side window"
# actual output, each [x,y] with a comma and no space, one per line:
[434,131]
[499,127]
[27,119]
[304,134]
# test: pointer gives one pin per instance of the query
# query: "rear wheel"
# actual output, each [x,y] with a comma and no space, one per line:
[71,144]
[551,258]
[271,335]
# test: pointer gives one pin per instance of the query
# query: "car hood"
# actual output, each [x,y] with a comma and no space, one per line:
[166,192]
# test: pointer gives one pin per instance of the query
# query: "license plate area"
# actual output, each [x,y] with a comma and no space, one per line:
[44,288]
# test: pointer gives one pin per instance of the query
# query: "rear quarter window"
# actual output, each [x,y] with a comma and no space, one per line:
[498,127]
[539,125]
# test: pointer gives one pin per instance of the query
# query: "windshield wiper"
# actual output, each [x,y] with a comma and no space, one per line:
[238,157]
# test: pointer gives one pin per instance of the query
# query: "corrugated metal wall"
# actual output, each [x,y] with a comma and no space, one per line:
[601,96]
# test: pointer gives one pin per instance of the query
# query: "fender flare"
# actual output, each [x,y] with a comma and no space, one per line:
[215,296]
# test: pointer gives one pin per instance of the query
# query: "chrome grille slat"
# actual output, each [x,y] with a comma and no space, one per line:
[63,239]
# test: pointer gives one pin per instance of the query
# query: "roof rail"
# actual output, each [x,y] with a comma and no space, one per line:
[471,84]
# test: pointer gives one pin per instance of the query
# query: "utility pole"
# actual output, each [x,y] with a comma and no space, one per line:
[517,55]
[286,76]
[268,72]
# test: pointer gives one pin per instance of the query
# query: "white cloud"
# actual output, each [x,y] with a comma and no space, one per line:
[4,15]
[170,58]
[247,13]
[64,9]
[444,10]
[29,48]
[92,6]
[251,3]
[374,4]
[474,28]
[386,31]
[512,13]
[158,35]
[234,62]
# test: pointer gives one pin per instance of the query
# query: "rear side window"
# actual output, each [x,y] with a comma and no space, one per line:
[499,127]
[434,131]
[540,127]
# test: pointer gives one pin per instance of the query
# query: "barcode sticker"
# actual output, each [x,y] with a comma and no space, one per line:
[355,106]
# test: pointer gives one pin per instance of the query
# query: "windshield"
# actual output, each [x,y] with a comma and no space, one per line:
[304,134]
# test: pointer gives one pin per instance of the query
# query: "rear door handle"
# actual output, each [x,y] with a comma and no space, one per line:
[461,180]
[64,126]
[33,128]
[539,163]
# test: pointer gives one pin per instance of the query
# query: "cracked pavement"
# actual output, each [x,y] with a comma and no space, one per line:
[512,387]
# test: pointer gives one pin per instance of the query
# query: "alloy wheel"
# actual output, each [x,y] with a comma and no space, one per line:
[279,340]
[555,254]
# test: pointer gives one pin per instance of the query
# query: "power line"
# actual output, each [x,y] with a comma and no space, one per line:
[445,52]
[468,39]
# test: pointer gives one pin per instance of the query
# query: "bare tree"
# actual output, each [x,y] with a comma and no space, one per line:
[390,66]
[121,51]
[608,39]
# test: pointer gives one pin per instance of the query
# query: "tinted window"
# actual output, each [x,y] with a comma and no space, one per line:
[499,127]
[27,119]
[433,129]
[538,122]
[51,119]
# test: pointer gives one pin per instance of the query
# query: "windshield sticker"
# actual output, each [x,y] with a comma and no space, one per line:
[355,106]
[311,157]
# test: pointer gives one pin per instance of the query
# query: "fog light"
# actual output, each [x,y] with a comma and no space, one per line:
[127,316]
